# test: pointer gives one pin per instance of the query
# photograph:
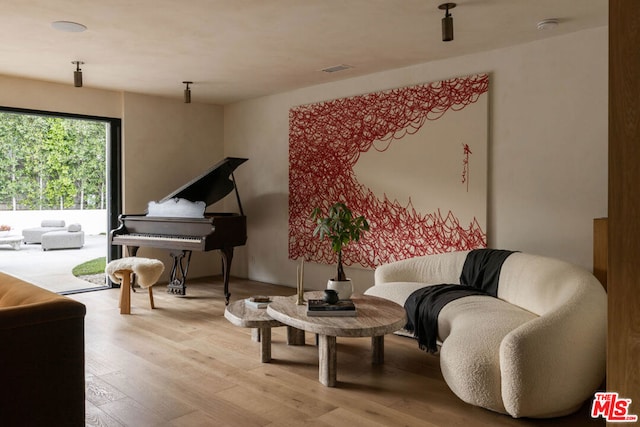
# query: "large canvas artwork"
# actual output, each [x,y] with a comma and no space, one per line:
[412,160]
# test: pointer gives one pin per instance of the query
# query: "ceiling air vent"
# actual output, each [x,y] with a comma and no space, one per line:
[336,68]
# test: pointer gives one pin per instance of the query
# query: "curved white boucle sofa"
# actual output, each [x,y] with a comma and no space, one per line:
[538,350]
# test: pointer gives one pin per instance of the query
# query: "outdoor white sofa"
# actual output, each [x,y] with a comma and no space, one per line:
[537,350]
[34,234]
[70,238]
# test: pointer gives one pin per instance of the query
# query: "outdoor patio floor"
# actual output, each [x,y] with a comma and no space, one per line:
[52,269]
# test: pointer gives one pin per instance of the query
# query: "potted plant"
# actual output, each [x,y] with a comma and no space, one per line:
[4,229]
[342,228]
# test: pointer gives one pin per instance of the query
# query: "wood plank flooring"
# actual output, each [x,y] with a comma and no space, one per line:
[184,364]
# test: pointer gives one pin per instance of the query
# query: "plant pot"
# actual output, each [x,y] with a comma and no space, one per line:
[344,288]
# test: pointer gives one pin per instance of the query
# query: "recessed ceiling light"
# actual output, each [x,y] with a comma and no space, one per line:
[68,26]
[548,24]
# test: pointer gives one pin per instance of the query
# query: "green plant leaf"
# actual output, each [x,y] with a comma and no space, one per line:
[340,226]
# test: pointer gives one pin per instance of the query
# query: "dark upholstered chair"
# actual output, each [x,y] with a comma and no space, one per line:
[41,356]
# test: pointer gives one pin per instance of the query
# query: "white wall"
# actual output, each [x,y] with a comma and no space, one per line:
[547,152]
[547,148]
[166,144]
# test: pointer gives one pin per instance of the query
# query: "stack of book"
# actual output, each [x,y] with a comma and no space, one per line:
[257,301]
[318,307]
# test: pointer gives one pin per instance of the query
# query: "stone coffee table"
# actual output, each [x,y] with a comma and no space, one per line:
[375,317]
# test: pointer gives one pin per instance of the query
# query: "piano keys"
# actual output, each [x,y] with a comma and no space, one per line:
[182,235]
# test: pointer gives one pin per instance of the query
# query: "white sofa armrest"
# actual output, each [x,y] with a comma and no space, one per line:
[557,360]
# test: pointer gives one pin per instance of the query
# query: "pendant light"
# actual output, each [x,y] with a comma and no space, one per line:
[447,22]
[77,74]
[187,93]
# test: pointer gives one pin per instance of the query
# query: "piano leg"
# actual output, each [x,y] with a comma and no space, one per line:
[177,281]
[227,257]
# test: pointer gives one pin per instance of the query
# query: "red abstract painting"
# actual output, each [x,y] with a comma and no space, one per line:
[326,141]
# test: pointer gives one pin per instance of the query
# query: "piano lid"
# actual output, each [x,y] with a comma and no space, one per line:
[211,186]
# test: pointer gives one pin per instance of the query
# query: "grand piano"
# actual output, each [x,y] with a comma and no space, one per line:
[183,234]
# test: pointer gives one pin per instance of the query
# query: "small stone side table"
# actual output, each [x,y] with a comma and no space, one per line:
[239,314]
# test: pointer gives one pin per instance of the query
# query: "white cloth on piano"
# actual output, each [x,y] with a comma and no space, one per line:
[147,269]
[177,208]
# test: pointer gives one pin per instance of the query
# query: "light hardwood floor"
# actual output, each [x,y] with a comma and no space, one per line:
[184,364]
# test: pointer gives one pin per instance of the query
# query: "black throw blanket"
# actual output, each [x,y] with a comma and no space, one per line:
[480,275]
[482,268]
[423,307]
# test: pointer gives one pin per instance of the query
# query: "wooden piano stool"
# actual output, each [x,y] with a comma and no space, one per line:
[121,270]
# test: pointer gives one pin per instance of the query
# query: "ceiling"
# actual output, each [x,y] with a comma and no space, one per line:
[239,49]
